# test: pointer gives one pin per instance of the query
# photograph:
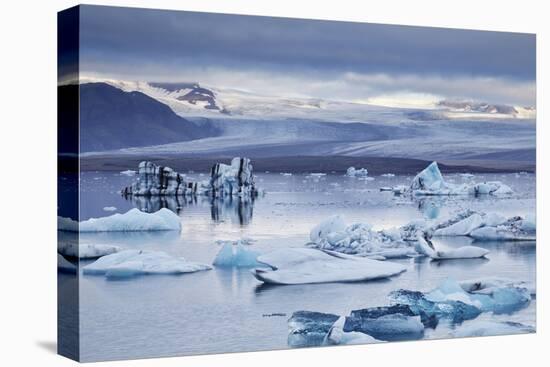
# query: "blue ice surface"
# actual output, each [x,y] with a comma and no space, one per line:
[236,255]
[309,328]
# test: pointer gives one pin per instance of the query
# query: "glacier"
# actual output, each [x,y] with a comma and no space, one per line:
[131,263]
[131,221]
[306,266]
[236,255]
[84,250]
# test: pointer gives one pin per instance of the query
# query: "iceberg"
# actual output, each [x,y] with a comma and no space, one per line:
[487,227]
[85,251]
[490,285]
[430,182]
[109,208]
[361,172]
[153,180]
[333,234]
[490,328]
[337,336]
[234,179]
[306,265]
[65,266]
[128,173]
[236,255]
[309,329]
[387,323]
[424,247]
[131,263]
[131,221]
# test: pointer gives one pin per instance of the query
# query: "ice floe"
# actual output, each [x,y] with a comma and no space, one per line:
[85,251]
[489,328]
[307,265]
[425,247]
[130,263]
[334,234]
[236,255]
[128,173]
[109,208]
[489,227]
[309,329]
[359,172]
[132,220]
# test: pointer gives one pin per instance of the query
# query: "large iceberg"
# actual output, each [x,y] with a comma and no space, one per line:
[425,247]
[130,263]
[389,323]
[488,227]
[153,180]
[360,172]
[360,239]
[131,221]
[235,179]
[490,328]
[85,251]
[306,265]
[430,182]
[236,255]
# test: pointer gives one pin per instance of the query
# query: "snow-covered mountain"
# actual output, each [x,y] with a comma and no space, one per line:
[194,99]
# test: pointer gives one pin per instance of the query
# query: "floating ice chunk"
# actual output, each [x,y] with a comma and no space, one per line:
[386,323]
[132,220]
[85,251]
[286,174]
[505,299]
[331,225]
[361,172]
[462,227]
[154,180]
[309,329]
[466,252]
[488,328]
[490,285]
[490,188]
[430,179]
[109,208]
[387,175]
[128,173]
[234,179]
[305,265]
[65,266]
[337,336]
[129,263]
[467,175]
[236,255]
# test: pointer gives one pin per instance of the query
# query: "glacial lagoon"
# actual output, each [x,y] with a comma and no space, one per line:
[227,309]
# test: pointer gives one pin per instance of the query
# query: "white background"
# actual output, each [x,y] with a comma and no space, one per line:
[28,185]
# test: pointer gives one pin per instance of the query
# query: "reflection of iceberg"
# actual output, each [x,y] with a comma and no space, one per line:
[65,266]
[305,266]
[130,263]
[85,251]
[131,221]
[238,209]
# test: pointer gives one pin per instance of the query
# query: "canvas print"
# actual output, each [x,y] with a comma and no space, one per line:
[235,183]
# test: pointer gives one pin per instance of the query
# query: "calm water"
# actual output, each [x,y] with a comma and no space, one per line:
[224,310]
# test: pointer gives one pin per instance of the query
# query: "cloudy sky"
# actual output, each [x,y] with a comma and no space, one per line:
[306,58]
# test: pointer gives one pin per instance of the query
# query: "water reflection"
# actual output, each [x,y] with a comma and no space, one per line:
[236,209]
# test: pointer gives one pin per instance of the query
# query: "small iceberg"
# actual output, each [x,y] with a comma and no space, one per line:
[85,251]
[388,323]
[109,208]
[353,172]
[309,329]
[131,221]
[236,255]
[425,247]
[131,263]
[337,336]
[306,266]
[492,328]
[488,227]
